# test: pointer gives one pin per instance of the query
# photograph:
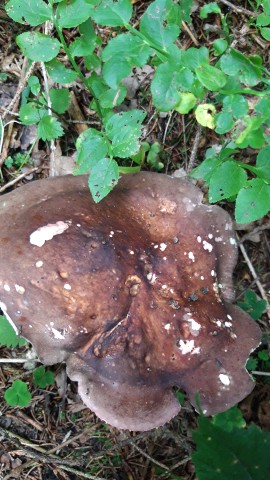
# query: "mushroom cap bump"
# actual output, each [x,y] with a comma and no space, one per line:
[133,293]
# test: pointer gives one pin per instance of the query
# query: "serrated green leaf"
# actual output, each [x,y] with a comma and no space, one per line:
[37,46]
[60,99]
[103,178]
[33,12]
[43,377]
[86,43]
[124,130]
[263,162]
[229,420]
[49,128]
[224,122]
[206,169]
[208,9]
[234,63]
[31,113]
[18,394]
[253,305]
[239,454]
[72,13]
[205,115]
[226,181]
[59,73]
[211,77]
[8,336]
[167,83]
[253,201]
[34,84]
[113,13]
[195,57]
[91,148]
[154,25]
[113,97]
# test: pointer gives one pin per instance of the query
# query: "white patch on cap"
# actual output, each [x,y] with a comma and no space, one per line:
[210,235]
[19,289]
[43,234]
[207,246]
[163,246]
[67,286]
[224,379]
[6,287]
[39,264]
[191,256]
[199,239]
[194,325]
[213,273]
[232,241]
[167,326]
[186,346]
[57,335]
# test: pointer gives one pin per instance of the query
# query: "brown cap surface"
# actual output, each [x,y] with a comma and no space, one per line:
[132,293]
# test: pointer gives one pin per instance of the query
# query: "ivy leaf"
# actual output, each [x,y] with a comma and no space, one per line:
[37,46]
[31,113]
[226,181]
[49,128]
[18,394]
[155,27]
[59,73]
[167,83]
[103,178]
[33,12]
[91,148]
[74,12]
[211,77]
[124,130]
[8,336]
[113,13]
[253,305]
[234,63]
[43,377]
[60,99]
[240,453]
[253,201]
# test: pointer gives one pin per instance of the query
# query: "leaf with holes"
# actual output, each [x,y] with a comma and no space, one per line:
[91,148]
[103,178]
[18,394]
[33,12]
[37,46]
[113,13]
[226,181]
[124,130]
[49,128]
[43,377]
[155,24]
[253,201]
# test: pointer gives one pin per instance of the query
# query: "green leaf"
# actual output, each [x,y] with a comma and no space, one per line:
[167,83]
[91,148]
[263,162]
[186,8]
[195,57]
[252,364]
[234,63]
[124,130]
[103,178]
[240,454]
[114,70]
[33,12]
[253,201]
[59,73]
[38,47]
[60,99]
[265,33]
[31,113]
[253,134]
[34,85]
[154,25]
[220,45]
[226,181]
[72,13]
[206,169]
[113,13]
[49,128]
[262,20]
[205,115]
[266,6]
[8,336]
[224,122]
[113,97]
[229,420]
[187,102]
[18,394]
[237,104]
[211,77]
[86,43]
[43,377]
[208,9]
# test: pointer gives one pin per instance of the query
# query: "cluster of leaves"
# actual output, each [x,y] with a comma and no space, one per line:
[181,82]
[18,395]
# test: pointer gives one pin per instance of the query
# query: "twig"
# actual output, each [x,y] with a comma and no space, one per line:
[17,179]
[14,360]
[52,143]
[189,32]
[255,276]
[248,236]
[255,372]
[151,459]
[237,9]
[195,148]
[24,78]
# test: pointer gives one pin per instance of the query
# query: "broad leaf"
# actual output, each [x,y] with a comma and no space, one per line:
[72,13]
[8,336]
[60,99]
[33,12]
[49,128]
[156,28]
[37,46]
[113,97]
[237,104]
[113,13]
[43,377]
[31,113]
[103,178]
[253,305]
[253,201]
[263,162]
[224,122]
[206,169]
[226,181]
[208,9]
[59,73]
[167,84]
[211,77]
[91,148]
[124,130]
[194,57]
[86,43]
[234,63]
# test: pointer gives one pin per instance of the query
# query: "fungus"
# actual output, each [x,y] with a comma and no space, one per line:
[133,293]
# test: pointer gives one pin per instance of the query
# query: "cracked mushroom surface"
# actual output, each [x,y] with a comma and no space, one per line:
[133,293]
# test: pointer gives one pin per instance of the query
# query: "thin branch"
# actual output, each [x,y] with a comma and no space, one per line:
[17,179]
[238,9]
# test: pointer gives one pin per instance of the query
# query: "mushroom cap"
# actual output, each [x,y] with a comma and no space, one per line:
[133,293]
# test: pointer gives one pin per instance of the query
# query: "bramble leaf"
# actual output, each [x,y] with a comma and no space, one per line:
[91,148]
[33,12]
[37,46]
[113,13]
[8,336]
[253,201]
[103,178]
[49,128]
[59,73]
[226,181]
[155,27]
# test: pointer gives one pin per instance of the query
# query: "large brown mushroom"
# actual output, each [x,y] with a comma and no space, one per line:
[133,293]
